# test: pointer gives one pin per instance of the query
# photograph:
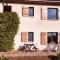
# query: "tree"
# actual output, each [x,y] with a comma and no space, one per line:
[9,22]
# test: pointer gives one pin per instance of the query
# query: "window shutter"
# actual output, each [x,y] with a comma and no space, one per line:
[31,11]
[43,38]
[25,11]
[24,36]
[43,14]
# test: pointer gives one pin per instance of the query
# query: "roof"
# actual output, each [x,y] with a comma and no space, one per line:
[11,1]
[33,2]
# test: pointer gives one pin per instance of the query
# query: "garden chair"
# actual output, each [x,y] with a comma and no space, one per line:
[52,46]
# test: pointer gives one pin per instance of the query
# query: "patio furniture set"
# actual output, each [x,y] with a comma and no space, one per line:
[28,48]
[32,48]
[52,47]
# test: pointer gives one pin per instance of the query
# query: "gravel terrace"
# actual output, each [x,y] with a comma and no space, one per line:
[39,55]
[19,53]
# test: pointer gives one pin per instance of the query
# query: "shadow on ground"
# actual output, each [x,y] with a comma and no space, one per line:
[29,58]
[52,57]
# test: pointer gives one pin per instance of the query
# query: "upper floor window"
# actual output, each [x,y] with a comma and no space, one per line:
[28,11]
[31,11]
[6,8]
[52,13]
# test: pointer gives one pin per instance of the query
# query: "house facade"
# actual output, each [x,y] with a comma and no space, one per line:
[39,22]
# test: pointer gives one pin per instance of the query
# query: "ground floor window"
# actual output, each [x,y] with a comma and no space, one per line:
[23,36]
[47,37]
[27,36]
[52,36]
[30,36]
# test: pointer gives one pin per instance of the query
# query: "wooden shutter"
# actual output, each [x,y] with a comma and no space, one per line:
[43,38]
[43,14]
[25,11]
[24,36]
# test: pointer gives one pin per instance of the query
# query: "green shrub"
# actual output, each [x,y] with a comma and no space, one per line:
[8,28]
[4,58]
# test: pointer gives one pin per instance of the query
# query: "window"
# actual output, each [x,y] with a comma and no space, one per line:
[27,36]
[31,11]
[28,11]
[49,36]
[52,13]
[6,8]
[52,36]
[30,36]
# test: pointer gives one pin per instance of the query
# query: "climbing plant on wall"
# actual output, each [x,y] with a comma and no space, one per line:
[9,22]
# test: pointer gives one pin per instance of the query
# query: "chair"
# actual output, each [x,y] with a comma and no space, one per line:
[52,46]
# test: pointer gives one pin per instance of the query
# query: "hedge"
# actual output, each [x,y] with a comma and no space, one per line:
[9,22]
[4,58]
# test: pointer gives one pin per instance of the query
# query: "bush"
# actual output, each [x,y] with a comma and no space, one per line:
[8,28]
[4,58]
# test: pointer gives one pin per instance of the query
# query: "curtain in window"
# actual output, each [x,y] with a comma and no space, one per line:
[43,14]
[43,38]
[25,11]
[24,36]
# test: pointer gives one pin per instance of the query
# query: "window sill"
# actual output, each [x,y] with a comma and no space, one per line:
[27,16]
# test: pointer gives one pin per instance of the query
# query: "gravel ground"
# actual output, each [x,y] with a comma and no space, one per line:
[19,53]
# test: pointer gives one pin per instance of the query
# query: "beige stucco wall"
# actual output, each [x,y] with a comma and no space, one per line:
[1,7]
[34,24]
